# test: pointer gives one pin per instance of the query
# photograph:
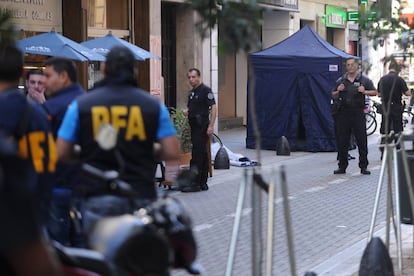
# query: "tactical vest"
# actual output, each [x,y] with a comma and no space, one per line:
[56,105]
[135,114]
[351,98]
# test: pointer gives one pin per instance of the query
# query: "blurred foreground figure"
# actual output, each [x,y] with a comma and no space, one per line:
[140,120]
[28,156]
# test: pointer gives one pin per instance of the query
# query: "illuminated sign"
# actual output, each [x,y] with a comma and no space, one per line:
[335,17]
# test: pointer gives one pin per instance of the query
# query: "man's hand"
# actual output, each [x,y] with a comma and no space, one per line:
[37,96]
[361,89]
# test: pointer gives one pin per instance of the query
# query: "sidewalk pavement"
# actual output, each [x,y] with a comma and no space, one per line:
[348,260]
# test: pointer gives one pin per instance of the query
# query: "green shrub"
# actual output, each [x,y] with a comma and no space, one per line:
[183,130]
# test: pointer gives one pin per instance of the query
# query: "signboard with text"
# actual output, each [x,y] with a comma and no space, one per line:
[335,16]
[293,4]
[35,15]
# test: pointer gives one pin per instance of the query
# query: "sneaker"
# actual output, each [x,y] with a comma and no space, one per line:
[350,157]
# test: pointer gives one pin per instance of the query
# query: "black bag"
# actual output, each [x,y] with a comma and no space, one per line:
[336,106]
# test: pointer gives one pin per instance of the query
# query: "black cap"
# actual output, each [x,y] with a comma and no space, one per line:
[119,60]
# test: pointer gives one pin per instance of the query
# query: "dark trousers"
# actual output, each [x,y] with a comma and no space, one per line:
[60,226]
[394,120]
[351,121]
[199,159]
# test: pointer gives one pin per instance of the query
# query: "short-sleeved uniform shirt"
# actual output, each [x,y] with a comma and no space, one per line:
[385,85]
[200,100]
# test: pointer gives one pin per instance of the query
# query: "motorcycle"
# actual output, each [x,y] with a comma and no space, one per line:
[149,241]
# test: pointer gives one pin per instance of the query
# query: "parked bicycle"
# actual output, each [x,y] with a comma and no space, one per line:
[376,108]
[371,123]
[370,117]
[407,115]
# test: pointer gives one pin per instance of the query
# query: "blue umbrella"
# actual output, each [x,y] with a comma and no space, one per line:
[56,45]
[104,44]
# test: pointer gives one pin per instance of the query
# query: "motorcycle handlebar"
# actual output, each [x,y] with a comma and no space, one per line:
[110,178]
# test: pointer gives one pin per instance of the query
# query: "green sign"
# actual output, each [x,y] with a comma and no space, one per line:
[335,17]
[353,16]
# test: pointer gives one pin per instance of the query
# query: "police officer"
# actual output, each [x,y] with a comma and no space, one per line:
[391,87]
[202,115]
[350,90]
[62,88]
[26,184]
[140,120]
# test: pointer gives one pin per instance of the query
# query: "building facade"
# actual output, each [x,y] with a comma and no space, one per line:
[167,28]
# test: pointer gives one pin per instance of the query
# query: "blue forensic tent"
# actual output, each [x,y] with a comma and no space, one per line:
[293,80]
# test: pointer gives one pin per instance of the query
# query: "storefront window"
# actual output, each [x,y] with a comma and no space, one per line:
[108,14]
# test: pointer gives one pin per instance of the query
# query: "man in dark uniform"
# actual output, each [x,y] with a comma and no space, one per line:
[140,119]
[350,90]
[390,88]
[62,88]
[201,115]
[27,179]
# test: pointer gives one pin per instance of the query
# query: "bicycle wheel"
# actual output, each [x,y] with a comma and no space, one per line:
[407,118]
[371,123]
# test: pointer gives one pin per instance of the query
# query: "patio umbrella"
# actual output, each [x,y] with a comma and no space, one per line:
[54,44]
[103,45]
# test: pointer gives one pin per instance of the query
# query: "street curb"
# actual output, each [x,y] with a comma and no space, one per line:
[347,261]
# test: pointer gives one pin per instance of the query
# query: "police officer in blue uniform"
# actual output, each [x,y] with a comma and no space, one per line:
[140,119]
[62,88]
[26,182]
[201,115]
[350,90]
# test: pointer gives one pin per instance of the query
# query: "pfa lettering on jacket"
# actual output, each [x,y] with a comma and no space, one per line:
[41,147]
[120,117]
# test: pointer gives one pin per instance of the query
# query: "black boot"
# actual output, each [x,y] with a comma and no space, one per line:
[365,171]
[340,171]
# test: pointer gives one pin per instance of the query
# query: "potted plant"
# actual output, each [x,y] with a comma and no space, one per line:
[183,134]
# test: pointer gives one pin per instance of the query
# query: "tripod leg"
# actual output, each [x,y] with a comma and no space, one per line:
[378,194]
[248,176]
[257,242]
[289,231]
[270,222]
[397,206]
